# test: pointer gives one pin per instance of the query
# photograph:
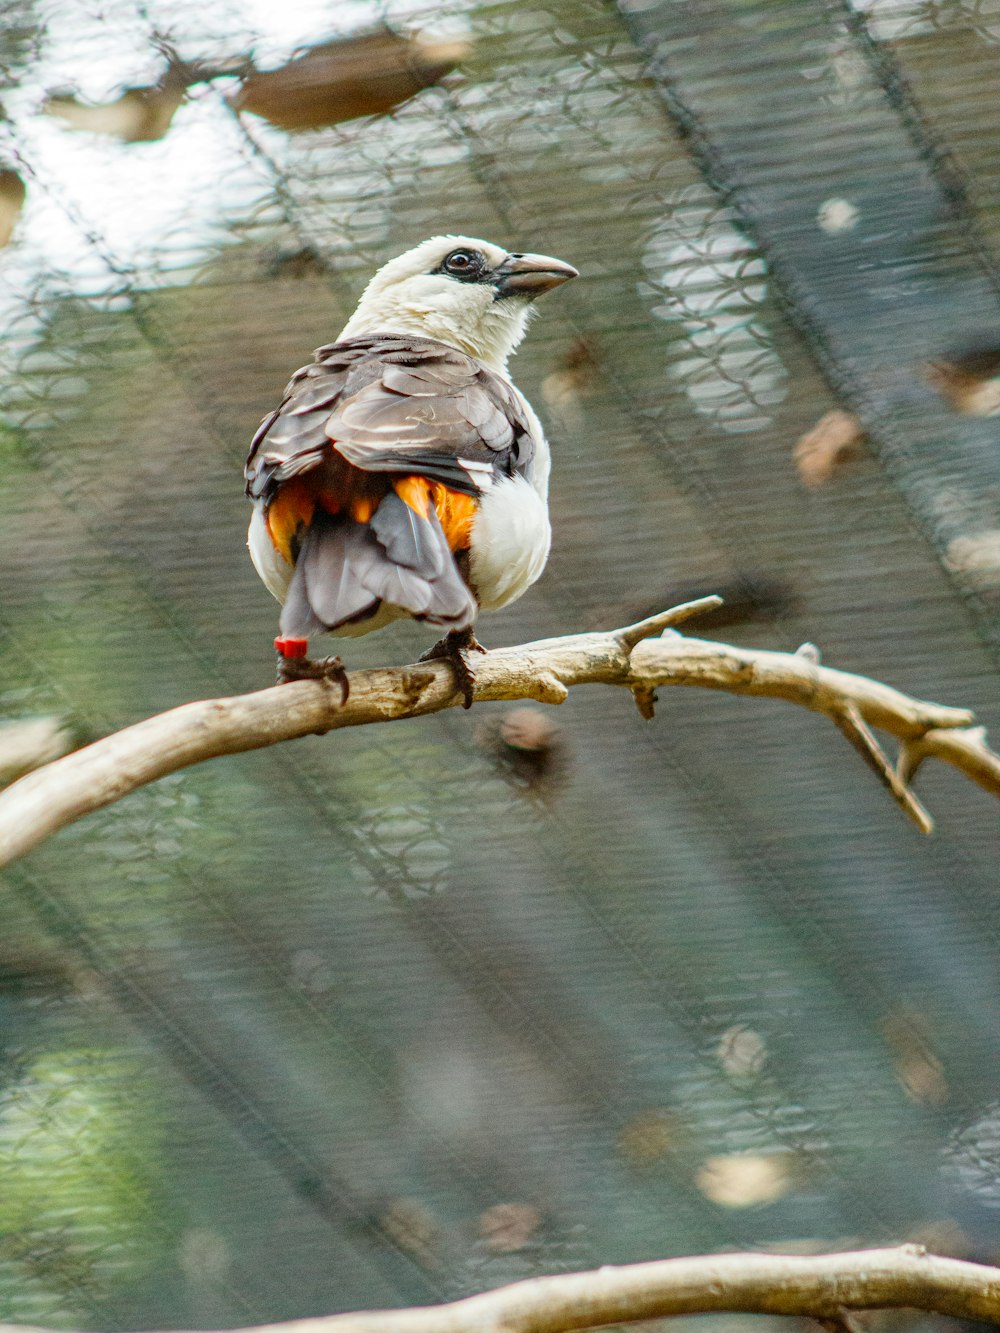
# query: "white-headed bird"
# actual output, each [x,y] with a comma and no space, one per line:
[403,473]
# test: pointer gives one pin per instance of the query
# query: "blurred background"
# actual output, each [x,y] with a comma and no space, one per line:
[407,1012]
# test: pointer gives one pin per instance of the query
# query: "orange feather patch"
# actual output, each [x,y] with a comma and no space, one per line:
[292,508]
[358,494]
[455,510]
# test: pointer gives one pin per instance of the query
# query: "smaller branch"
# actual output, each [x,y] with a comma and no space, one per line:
[965,748]
[649,628]
[861,736]
[644,696]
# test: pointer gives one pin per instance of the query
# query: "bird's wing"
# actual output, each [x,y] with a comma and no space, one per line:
[394,404]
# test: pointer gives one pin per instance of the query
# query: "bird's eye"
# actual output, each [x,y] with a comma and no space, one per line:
[463,263]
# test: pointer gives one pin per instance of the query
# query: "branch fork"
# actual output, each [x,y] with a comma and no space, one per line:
[632,635]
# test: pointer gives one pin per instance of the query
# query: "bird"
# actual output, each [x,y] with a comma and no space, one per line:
[403,474]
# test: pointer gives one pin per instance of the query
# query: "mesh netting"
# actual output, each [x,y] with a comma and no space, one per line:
[400,1014]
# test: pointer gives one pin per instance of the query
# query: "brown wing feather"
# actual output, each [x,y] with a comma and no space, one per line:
[391,404]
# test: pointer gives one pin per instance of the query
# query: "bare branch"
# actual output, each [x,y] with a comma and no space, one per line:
[824,1287]
[966,748]
[79,783]
[861,736]
[653,625]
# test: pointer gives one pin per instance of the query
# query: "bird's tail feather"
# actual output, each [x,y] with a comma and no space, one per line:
[346,570]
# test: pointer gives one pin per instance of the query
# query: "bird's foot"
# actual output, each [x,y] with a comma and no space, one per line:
[293,664]
[455,648]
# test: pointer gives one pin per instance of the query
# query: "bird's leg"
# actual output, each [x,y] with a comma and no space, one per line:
[455,648]
[293,664]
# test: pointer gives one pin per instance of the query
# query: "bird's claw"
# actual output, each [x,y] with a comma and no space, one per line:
[321,668]
[455,648]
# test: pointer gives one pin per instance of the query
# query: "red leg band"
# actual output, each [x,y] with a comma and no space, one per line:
[292,647]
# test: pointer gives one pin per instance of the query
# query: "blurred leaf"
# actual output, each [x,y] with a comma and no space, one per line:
[367,75]
[508,1227]
[832,442]
[970,381]
[11,203]
[528,748]
[410,1226]
[650,1136]
[140,115]
[29,743]
[305,261]
[977,557]
[738,1180]
[566,388]
[917,1067]
[741,1051]
[42,971]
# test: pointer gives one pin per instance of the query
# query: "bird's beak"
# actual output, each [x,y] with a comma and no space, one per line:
[530,275]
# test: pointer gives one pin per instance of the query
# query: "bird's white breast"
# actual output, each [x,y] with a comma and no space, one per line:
[510,542]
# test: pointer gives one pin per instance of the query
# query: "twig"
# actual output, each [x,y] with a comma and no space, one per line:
[79,783]
[966,748]
[854,727]
[647,629]
[821,1287]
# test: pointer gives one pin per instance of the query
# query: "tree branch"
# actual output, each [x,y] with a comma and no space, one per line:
[76,785]
[825,1287]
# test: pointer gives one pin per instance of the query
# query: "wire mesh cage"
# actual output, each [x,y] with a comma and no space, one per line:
[412,1011]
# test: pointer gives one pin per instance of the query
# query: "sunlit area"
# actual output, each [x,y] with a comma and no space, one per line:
[403,1013]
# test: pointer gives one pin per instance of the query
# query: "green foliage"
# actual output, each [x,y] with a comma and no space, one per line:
[77,1183]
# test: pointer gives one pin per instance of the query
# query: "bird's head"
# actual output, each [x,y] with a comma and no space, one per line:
[470,294]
